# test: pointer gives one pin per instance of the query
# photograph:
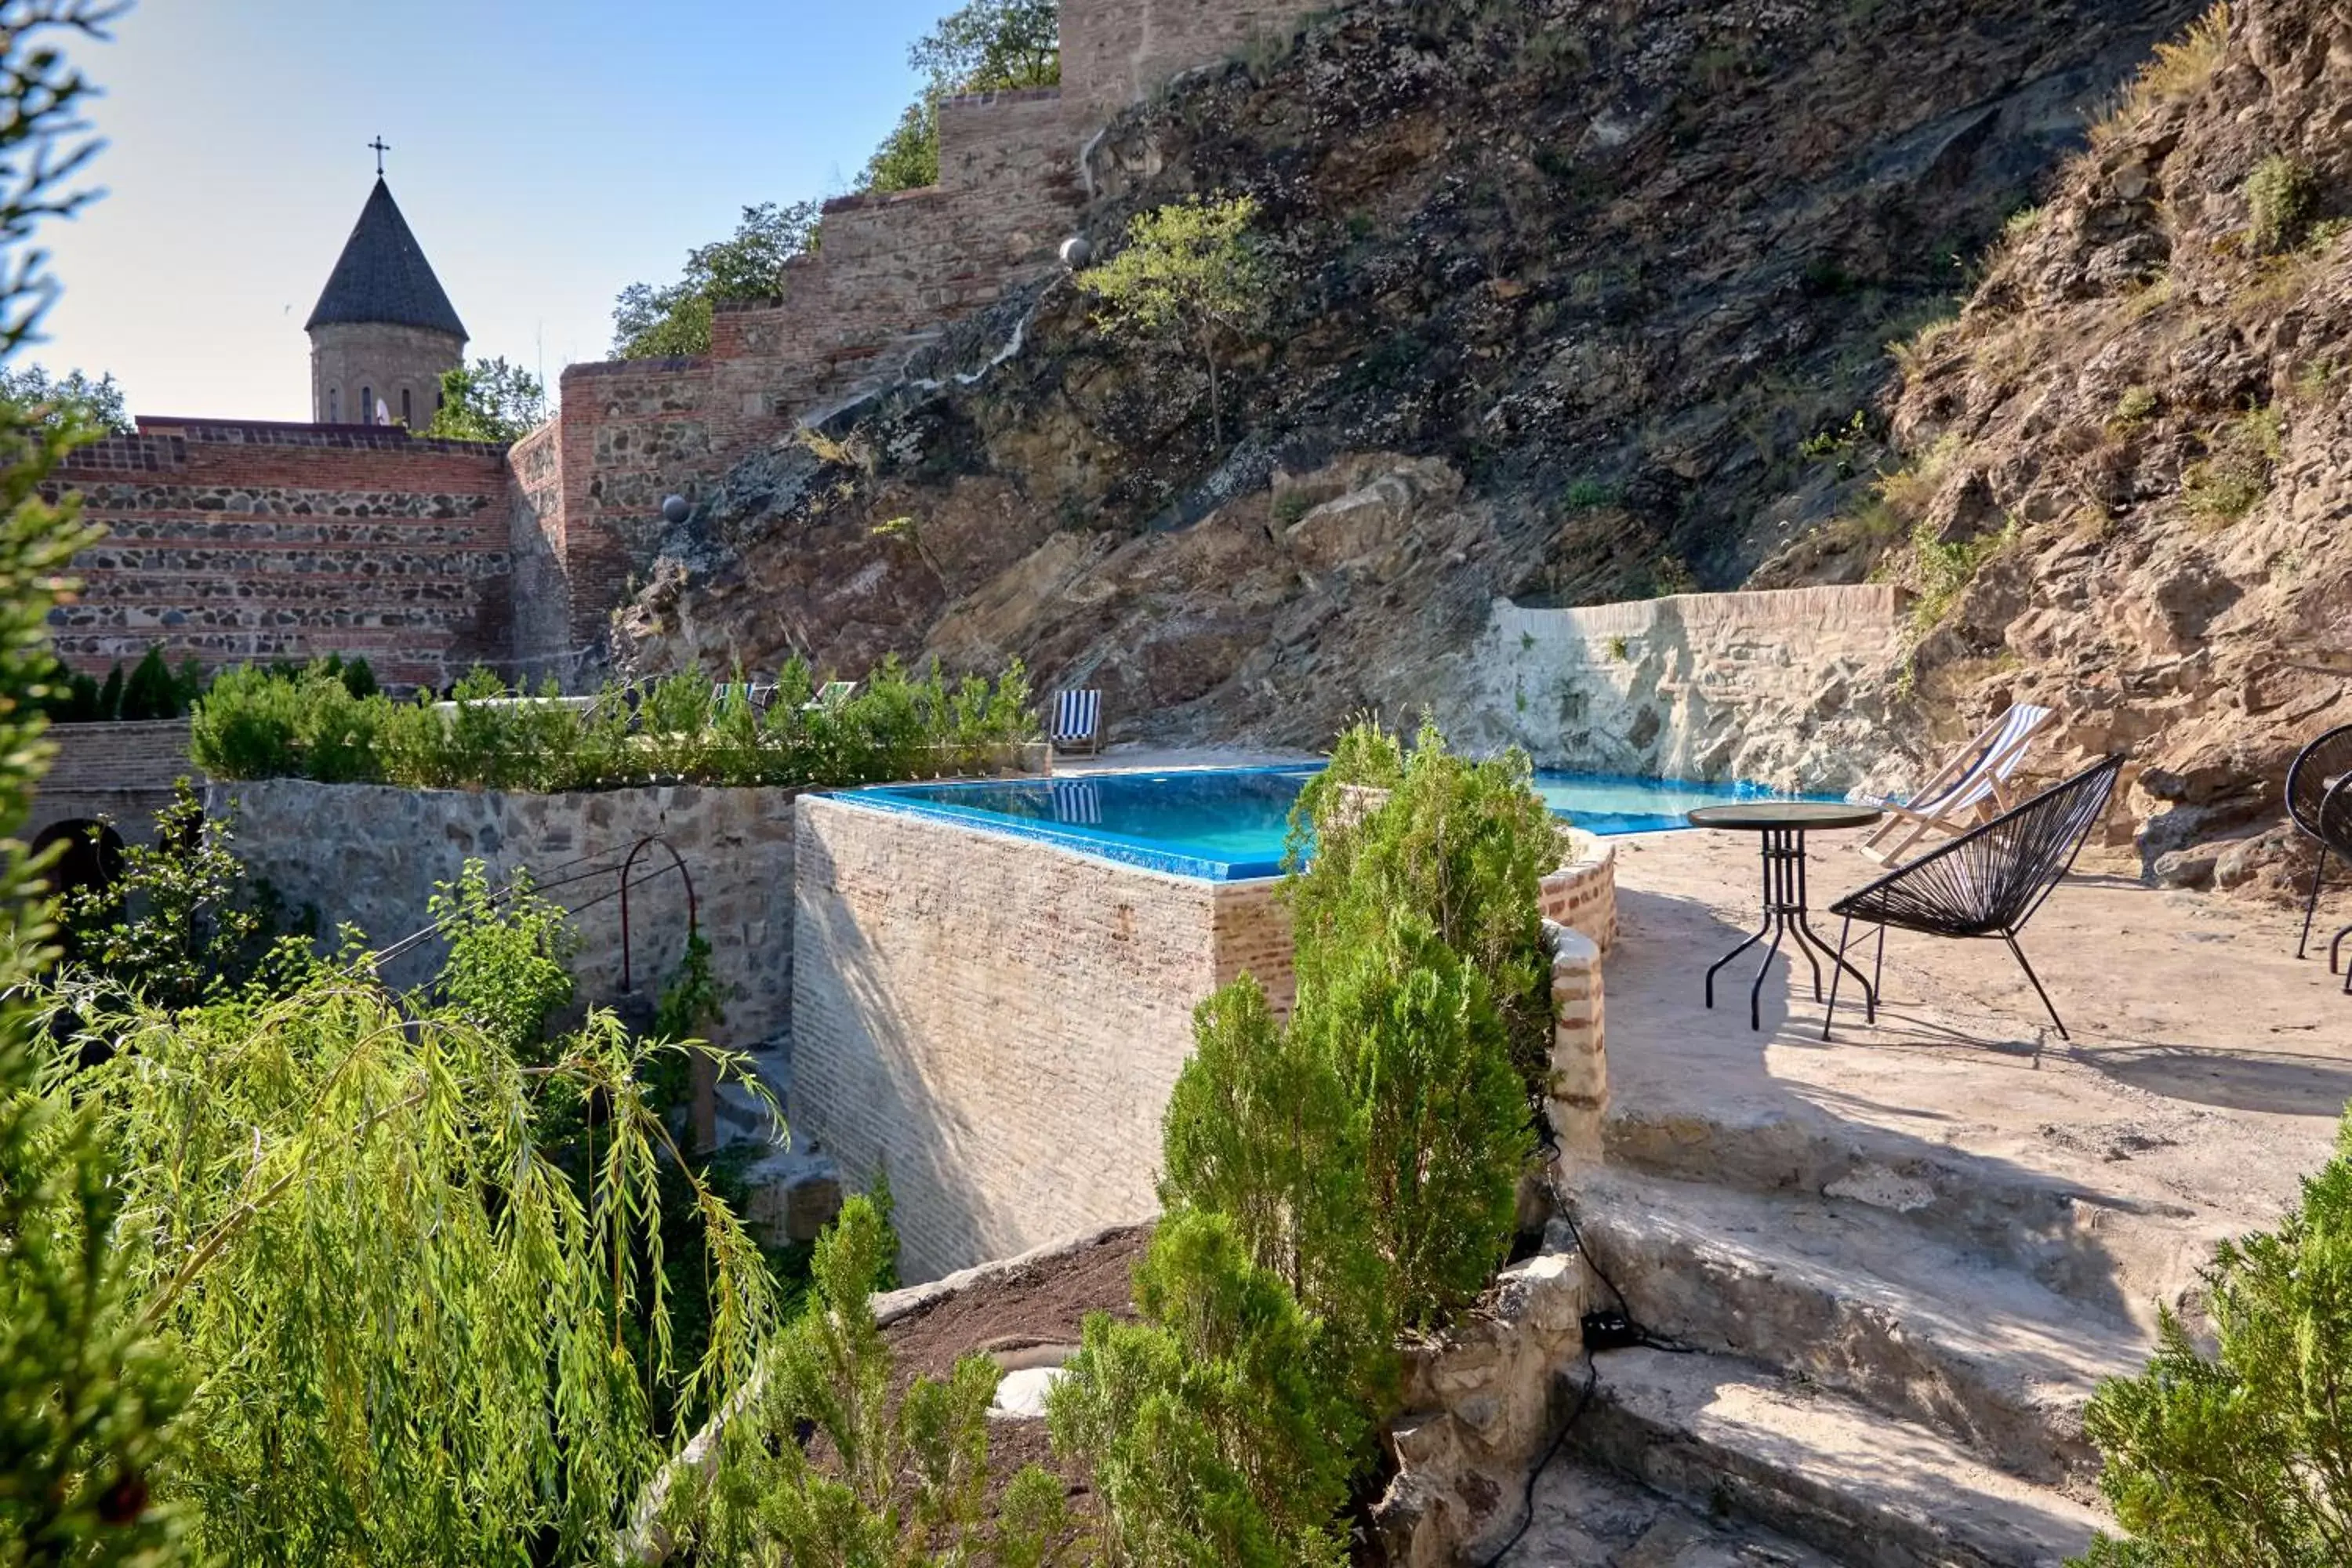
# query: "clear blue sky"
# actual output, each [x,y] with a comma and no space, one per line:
[547,152]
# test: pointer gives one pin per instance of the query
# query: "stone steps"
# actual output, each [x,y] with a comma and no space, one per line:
[2115,1252]
[1736,1441]
[1856,1300]
[1588,1516]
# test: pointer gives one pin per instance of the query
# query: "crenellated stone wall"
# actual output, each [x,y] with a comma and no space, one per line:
[1789,687]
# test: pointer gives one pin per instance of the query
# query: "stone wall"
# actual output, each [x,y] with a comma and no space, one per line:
[1789,687]
[372,855]
[241,542]
[123,771]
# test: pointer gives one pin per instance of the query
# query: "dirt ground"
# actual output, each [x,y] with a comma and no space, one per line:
[1040,1305]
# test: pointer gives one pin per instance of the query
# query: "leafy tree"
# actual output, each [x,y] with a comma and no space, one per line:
[989,46]
[182,921]
[674,318]
[508,969]
[1191,277]
[72,401]
[867,1480]
[2244,1455]
[85,1391]
[414,1336]
[1206,1429]
[490,400]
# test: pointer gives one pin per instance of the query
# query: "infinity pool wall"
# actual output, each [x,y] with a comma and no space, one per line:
[996,1022]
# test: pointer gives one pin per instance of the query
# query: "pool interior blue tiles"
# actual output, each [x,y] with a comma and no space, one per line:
[1229,824]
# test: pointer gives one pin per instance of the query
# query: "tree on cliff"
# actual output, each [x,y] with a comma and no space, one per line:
[490,400]
[989,46]
[1191,278]
[650,322]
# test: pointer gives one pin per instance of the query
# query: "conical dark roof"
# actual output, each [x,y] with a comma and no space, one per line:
[382,277]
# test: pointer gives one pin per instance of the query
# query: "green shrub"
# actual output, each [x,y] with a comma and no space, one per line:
[2280,195]
[1205,1429]
[2234,475]
[898,1483]
[1260,1130]
[181,921]
[2245,1454]
[312,724]
[2136,404]
[1462,845]
[507,971]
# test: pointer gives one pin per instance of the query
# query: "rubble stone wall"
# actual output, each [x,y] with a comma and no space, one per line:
[372,855]
[1789,687]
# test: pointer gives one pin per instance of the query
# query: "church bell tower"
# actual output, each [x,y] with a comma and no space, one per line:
[382,331]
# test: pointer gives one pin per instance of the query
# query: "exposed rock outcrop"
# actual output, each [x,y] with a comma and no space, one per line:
[1564,288]
[2153,386]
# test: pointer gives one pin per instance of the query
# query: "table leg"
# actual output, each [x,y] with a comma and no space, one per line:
[1785,896]
[1752,942]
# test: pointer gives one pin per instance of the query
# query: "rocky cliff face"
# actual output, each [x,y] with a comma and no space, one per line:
[1566,288]
[2144,416]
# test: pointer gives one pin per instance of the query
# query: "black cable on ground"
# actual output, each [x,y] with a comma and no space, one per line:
[1635,1333]
[1527,1502]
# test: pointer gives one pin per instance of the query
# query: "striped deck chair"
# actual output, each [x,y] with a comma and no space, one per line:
[1077,721]
[1970,788]
[758,693]
[829,696]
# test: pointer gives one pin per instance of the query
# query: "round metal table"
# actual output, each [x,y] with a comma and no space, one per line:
[1783,826]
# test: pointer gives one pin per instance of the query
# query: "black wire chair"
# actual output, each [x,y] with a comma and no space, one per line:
[1988,882]
[2326,761]
[2335,835]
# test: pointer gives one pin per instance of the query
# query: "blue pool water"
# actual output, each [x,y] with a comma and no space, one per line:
[1228,823]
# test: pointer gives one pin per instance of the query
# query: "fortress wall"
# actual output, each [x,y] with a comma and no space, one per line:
[1116,52]
[235,543]
[543,597]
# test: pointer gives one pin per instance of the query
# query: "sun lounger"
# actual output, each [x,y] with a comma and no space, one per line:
[1077,721]
[1970,788]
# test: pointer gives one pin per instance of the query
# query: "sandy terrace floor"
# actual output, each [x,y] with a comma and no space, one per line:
[2205,1075]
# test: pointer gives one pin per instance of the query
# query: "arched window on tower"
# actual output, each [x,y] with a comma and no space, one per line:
[334,405]
[367,405]
[406,417]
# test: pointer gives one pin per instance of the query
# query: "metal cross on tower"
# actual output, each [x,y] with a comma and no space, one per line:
[382,147]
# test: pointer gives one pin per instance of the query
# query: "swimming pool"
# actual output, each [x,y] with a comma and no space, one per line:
[1226,824]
